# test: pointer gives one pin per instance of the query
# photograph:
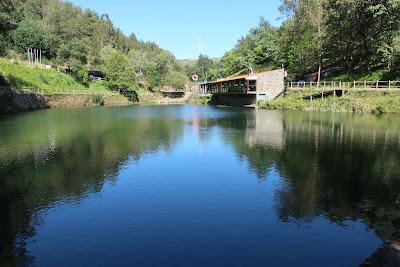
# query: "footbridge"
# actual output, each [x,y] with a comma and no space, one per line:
[315,90]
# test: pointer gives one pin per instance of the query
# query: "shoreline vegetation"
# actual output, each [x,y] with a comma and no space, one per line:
[24,88]
[316,41]
[56,86]
[376,103]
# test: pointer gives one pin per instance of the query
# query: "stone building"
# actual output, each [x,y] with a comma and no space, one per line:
[246,89]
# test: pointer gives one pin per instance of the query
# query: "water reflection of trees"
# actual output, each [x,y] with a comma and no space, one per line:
[341,166]
[335,165]
[66,159]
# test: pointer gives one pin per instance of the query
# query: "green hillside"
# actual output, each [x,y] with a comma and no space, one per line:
[18,77]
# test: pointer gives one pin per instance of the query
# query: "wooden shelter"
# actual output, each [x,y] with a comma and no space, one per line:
[264,85]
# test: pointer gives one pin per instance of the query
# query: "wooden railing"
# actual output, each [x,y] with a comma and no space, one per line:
[356,85]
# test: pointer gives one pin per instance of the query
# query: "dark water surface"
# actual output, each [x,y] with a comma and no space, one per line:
[196,186]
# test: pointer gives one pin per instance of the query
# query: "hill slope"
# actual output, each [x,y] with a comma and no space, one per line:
[19,76]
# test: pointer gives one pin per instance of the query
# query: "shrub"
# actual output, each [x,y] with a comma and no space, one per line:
[82,77]
[98,100]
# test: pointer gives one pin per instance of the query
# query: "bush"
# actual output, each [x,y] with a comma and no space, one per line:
[82,77]
[176,80]
[98,100]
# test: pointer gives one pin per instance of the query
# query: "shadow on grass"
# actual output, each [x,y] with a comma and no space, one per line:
[393,75]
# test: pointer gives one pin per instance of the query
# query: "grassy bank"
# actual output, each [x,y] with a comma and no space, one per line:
[350,103]
[20,76]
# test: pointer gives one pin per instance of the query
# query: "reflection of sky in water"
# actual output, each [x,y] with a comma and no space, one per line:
[183,185]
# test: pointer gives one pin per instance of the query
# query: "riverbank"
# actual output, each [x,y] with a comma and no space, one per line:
[148,98]
[356,103]
[15,102]
[24,88]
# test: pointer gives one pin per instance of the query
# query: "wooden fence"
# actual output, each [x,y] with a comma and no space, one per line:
[84,92]
[355,85]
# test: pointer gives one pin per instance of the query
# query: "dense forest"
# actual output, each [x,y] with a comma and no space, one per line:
[320,37]
[83,40]
[343,36]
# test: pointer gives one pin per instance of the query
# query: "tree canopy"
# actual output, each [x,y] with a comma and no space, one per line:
[77,39]
[349,35]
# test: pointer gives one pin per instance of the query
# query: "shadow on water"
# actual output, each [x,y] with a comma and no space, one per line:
[339,166]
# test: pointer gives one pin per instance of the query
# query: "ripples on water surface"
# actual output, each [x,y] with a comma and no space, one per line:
[204,186]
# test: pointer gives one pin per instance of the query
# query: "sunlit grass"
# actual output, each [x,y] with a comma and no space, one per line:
[19,77]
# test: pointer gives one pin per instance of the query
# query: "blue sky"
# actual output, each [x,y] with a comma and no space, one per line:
[187,27]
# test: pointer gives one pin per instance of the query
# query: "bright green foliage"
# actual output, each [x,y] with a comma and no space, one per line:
[119,73]
[350,35]
[28,34]
[18,76]
[74,38]
[156,67]
[361,33]
[72,54]
[82,77]
[176,80]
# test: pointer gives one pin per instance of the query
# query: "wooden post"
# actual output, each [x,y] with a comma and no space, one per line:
[389,84]
[377,84]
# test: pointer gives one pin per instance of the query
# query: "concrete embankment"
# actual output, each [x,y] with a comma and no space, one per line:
[19,102]
[146,97]
[67,101]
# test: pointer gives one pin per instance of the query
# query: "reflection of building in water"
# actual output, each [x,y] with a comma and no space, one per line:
[265,129]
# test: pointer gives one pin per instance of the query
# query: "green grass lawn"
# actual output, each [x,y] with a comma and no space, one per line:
[18,77]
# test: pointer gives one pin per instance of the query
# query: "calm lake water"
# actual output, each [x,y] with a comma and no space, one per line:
[196,186]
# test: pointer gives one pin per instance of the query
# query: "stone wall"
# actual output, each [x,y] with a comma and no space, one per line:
[17,102]
[271,83]
[69,101]
[233,99]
